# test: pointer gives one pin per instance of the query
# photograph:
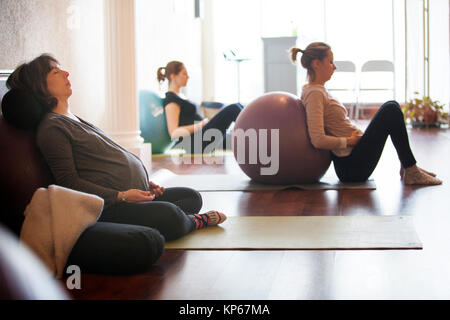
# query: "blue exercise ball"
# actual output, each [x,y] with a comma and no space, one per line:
[153,122]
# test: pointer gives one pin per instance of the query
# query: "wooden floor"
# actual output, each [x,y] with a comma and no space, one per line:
[261,275]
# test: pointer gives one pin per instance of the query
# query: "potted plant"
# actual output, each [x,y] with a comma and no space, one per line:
[424,112]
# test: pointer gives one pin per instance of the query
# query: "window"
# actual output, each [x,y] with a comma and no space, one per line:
[357,30]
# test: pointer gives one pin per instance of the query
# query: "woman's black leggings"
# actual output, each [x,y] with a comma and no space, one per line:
[130,237]
[207,140]
[360,164]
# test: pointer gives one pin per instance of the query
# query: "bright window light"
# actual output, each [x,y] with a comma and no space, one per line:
[357,30]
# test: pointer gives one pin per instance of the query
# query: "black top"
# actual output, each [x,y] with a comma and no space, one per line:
[188,110]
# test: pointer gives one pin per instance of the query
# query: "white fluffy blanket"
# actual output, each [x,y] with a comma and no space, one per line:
[54,220]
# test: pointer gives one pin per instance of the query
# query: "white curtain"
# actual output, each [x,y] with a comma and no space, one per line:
[167,30]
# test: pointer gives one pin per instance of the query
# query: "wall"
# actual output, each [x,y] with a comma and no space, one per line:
[71,30]
[237,26]
[167,30]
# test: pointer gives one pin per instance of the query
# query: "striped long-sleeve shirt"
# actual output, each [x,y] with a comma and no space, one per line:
[327,120]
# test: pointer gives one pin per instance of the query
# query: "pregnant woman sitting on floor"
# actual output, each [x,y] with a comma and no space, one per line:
[183,121]
[355,154]
[83,158]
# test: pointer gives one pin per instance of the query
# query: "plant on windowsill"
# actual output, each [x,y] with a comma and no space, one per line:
[425,113]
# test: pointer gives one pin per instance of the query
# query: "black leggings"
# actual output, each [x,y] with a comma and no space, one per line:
[360,164]
[195,143]
[130,237]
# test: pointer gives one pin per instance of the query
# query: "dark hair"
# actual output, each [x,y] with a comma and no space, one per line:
[173,67]
[314,51]
[32,77]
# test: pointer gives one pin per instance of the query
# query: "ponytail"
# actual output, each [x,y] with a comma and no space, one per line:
[294,52]
[173,67]
[160,75]
[314,51]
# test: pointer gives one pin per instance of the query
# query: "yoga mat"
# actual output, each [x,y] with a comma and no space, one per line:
[240,182]
[304,233]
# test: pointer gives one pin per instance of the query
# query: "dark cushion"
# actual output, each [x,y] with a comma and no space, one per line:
[22,171]
[21,109]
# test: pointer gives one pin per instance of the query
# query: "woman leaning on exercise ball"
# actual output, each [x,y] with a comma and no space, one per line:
[183,120]
[355,154]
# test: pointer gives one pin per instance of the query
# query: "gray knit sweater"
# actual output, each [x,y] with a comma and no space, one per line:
[83,158]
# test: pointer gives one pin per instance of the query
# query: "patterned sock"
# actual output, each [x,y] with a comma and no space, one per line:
[211,218]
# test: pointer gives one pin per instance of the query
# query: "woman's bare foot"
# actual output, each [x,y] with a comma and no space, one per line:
[402,172]
[415,176]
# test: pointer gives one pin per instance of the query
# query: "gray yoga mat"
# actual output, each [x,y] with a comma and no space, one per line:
[240,182]
[305,233]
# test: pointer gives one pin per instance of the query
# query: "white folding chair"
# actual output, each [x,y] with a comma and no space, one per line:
[376,76]
[343,85]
